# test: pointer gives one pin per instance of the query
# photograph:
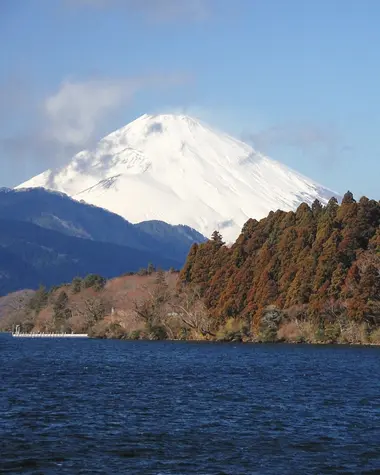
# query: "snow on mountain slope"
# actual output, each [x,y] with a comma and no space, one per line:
[176,169]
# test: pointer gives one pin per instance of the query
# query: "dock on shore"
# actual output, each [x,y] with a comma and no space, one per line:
[49,335]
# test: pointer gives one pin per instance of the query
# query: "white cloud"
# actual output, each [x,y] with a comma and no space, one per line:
[75,110]
[72,118]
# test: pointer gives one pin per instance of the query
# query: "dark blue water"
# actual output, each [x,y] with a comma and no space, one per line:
[113,407]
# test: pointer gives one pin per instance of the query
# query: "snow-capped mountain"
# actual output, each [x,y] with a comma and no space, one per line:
[176,169]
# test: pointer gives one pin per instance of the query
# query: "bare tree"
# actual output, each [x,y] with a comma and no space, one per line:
[17,302]
[335,312]
[14,310]
[91,309]
[191,310]
[161,306]
[152,307]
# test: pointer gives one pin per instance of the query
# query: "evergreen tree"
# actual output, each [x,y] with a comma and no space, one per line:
[348,198]
[39,299]
[316,207]
[217,239]
[312,258]
[96,281]
[150,268]
[61,312]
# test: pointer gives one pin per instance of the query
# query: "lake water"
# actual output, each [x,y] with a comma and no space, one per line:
[117,407]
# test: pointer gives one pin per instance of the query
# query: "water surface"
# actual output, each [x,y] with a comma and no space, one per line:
[116,407]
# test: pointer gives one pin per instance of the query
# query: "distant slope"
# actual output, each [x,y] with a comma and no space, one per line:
[171,236]
[15,273]
[59,212]
[31,255]
[174,168]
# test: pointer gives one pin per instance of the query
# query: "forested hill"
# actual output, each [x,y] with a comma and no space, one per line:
[317,263]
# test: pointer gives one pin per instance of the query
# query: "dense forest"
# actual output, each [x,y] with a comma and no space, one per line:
[312,275]
[319,265]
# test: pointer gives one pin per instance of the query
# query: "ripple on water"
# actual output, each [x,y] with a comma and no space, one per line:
[95,406]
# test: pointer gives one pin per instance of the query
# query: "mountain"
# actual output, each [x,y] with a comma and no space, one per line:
[176,169]
[58,212]
[15,273]
[31,255]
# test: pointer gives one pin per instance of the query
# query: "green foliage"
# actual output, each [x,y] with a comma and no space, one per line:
[61,312]
[95,281]
[157,332]
[39,300]
[135,335]
[217,239]
[76,285]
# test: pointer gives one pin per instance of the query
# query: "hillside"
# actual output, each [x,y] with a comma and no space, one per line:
[320,265]
[102,308]
[31,255]
[312,275]
[58,212]
[176,169]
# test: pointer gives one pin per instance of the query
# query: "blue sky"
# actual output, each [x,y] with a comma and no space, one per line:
[298,78]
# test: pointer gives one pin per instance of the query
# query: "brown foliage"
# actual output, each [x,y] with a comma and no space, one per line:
[326,259]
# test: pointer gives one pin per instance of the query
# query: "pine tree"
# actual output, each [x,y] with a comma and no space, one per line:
[61,312]
[39,299]
[316,208]
[309,259]
[217,239]
[348,198]
[150,268]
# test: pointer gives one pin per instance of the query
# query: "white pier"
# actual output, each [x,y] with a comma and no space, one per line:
[17,333]
[49,335]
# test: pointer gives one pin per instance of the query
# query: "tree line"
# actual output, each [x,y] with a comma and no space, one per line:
[312,275]
[318,266]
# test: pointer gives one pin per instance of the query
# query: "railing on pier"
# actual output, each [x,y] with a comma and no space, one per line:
[49,335]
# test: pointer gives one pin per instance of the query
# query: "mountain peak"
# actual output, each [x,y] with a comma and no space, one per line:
[168,118]
[153,126]
[175,168]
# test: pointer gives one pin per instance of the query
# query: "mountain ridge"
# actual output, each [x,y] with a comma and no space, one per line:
[60,212]
[176,169]
[48,237]
[31,255]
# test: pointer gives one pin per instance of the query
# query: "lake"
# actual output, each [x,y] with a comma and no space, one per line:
[119,407]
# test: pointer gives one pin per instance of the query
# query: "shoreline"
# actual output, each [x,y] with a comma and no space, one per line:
[240,342]
[247,342]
